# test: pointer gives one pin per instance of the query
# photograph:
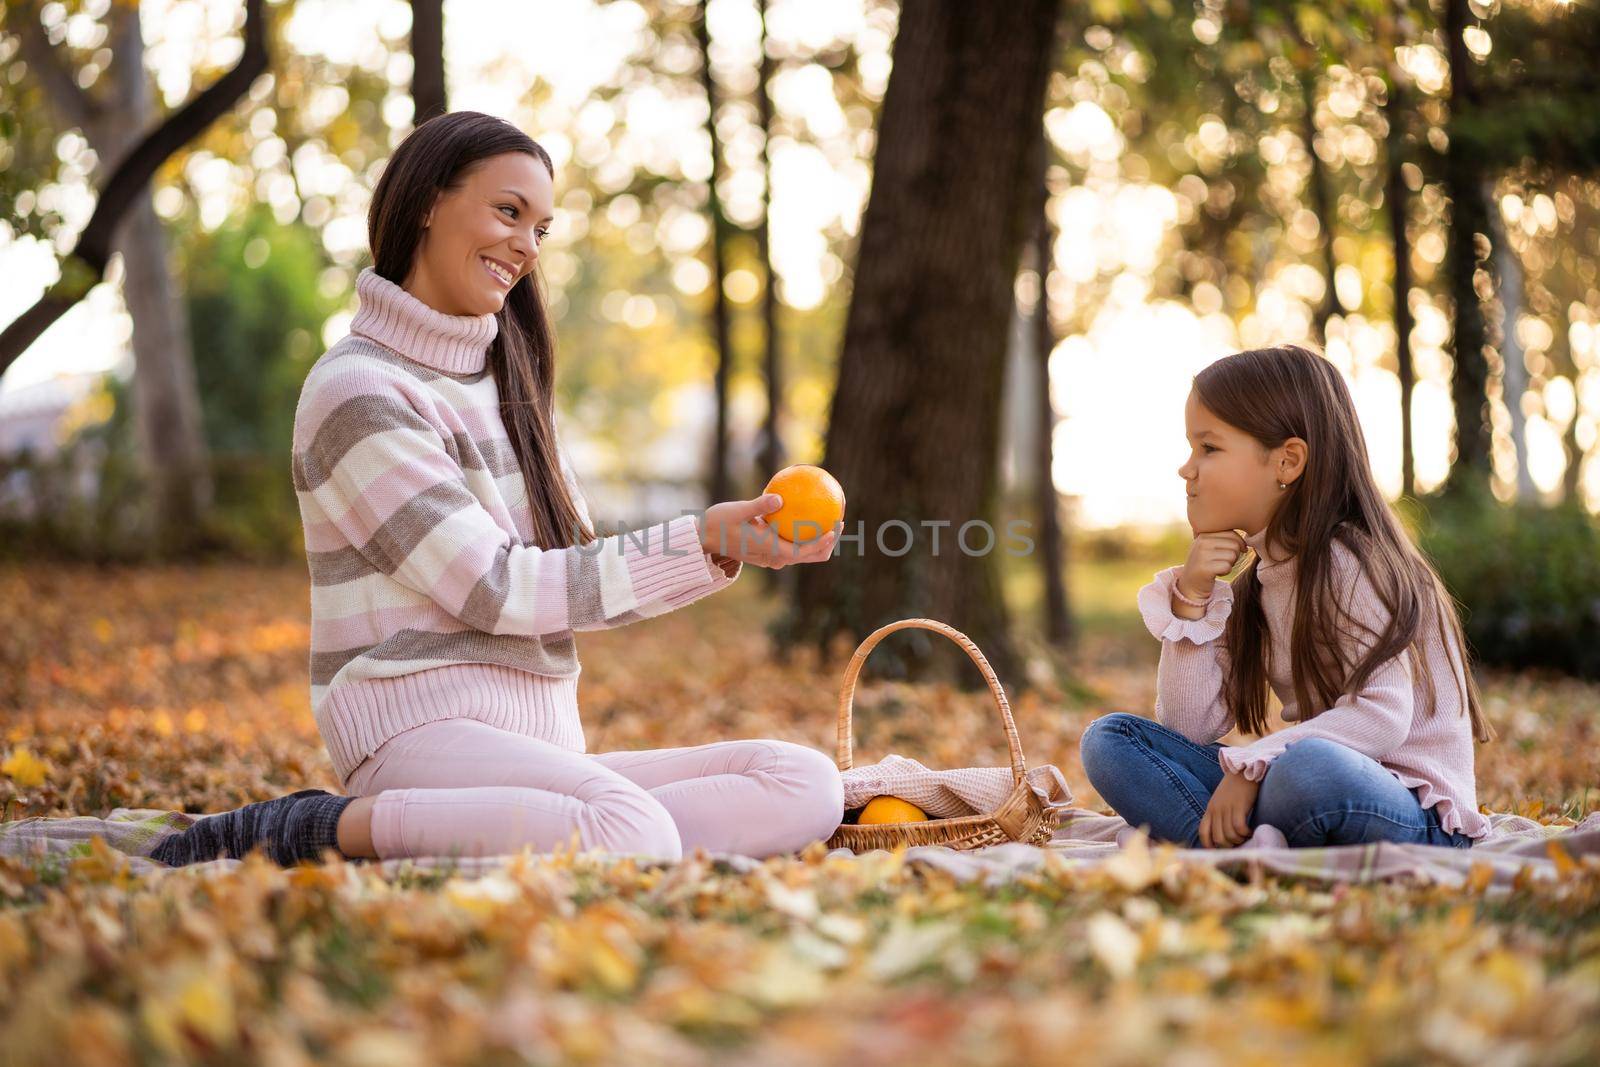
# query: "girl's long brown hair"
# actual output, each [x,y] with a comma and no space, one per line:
[436,157]
[1274,394]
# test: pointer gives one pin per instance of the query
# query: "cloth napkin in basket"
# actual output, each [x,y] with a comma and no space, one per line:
[947,794]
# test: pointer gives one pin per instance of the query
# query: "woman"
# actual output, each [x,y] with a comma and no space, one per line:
[452,558]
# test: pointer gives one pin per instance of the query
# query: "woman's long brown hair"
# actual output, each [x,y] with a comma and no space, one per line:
[436,157]
[1274,394]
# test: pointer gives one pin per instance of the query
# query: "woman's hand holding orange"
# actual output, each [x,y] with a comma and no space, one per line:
[738,530]
[797,519]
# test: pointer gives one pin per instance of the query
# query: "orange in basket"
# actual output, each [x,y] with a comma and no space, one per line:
[889,810]
[1020,817]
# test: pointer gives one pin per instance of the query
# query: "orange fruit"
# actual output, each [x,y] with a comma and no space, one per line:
[811,496]
[890,810]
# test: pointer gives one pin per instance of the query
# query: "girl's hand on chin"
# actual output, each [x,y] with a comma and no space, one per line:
[1211,556]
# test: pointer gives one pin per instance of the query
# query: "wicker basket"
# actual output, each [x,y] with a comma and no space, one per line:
[1020,817]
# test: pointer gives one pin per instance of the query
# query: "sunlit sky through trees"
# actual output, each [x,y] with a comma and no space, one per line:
[560,69]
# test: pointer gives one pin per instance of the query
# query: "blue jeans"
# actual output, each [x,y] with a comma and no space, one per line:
[1318,792]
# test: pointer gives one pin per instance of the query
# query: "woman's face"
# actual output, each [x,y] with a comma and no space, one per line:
[1231,478]
[482,237]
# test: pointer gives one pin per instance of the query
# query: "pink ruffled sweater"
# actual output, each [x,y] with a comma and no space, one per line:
[1384,720]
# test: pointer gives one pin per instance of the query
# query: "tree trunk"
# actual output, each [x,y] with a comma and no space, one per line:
[1398,197]
[1058,626]
[1572,478]
[772,451]
[772,440]
[166,399]
[1513,368]
[914,430]
[166,395]
[719,482]
[1468,219]
[1326,211]
[427,60]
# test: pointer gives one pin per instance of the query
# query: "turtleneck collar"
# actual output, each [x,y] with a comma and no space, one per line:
[1258,542]
[454,344]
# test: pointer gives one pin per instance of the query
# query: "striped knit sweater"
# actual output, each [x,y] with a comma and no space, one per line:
[427,599]
[1384,720]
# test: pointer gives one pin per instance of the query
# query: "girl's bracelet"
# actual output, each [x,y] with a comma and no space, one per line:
[1177,591]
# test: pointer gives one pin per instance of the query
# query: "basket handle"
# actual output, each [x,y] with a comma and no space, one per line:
[1019,766]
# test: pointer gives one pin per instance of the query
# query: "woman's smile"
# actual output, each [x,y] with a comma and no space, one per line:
[500,271]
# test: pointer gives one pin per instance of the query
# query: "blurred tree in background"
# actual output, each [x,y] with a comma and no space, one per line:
[256,311]
[1412,185]
[915,424]
[120,143]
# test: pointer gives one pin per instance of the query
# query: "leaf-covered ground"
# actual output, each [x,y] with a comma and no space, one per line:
[186,688]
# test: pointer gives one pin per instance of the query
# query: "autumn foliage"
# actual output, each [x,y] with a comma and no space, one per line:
[185,688]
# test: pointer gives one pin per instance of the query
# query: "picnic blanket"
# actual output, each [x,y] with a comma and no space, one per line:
[1084,838]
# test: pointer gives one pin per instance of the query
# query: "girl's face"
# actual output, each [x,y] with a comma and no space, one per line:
[1232,479]
[482,237]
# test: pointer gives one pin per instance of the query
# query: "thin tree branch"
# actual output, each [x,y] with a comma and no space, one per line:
[128,181]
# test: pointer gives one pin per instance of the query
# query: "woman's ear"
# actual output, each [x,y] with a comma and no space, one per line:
[1290,459]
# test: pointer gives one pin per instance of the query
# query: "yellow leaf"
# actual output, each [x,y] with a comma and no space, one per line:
[1292,1011]
[907,946]
[1132,867]
[312,877]
[206,1006]
[784,980]
[1479,877]
[1383,995]
[614,967]
[102,864]
[800,903]
[24,768]
[1565,864]
[190,1000]
[14,948]
[482,897]
[380,1048]
[600,949]
[1115,945]
[1519,976]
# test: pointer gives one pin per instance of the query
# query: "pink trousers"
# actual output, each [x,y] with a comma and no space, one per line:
[458,787]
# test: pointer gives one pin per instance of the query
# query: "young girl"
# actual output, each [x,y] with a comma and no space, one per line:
[1338,613]
[452,558]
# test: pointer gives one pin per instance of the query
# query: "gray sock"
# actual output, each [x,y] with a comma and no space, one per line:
[310,828]
[291,829]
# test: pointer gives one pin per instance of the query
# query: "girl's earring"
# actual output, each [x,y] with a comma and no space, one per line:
[1282,486]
